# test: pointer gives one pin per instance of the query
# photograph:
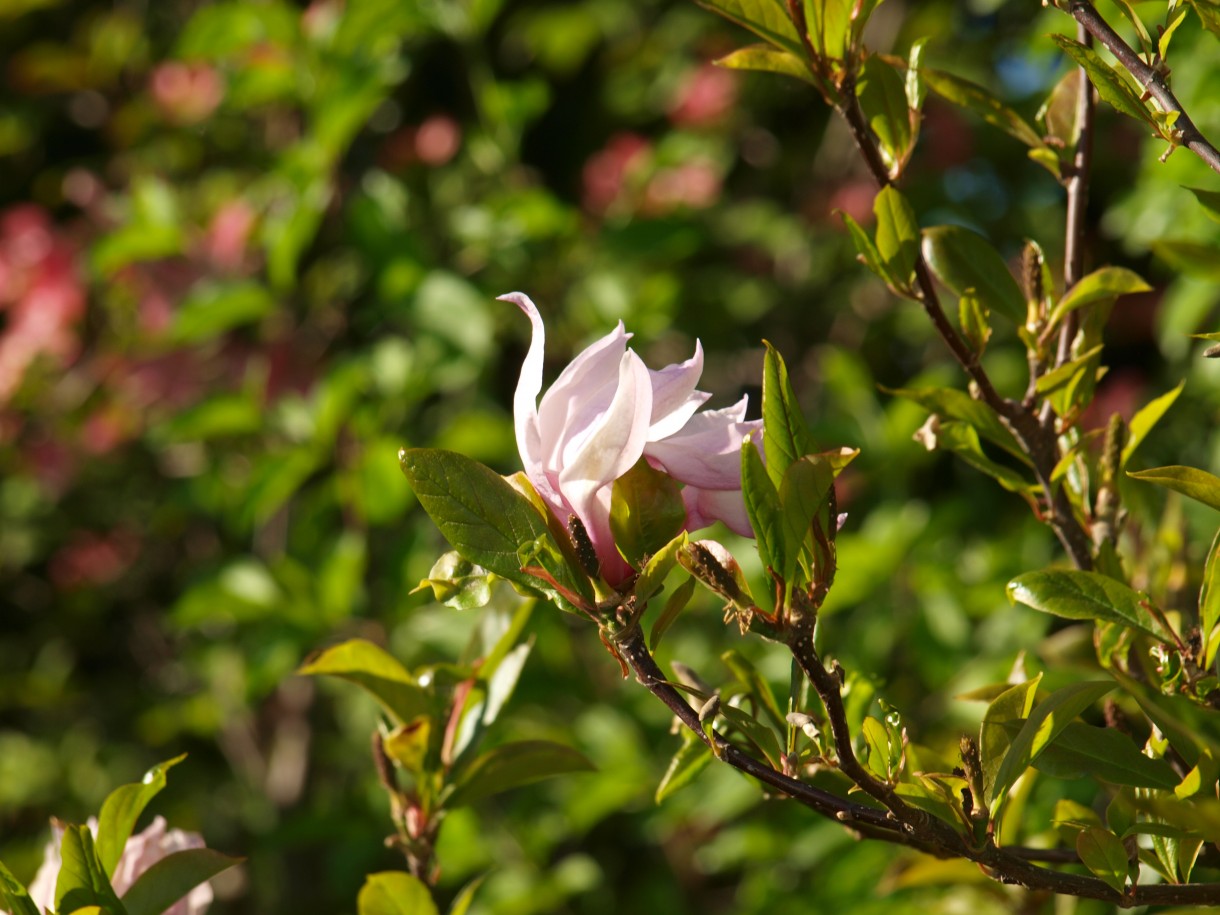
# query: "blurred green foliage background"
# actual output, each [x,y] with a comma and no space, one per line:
[250,249]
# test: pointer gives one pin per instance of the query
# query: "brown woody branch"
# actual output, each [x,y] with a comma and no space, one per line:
[1152,79]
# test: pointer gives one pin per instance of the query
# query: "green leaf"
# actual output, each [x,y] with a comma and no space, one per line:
[1078,595]
[1162,45]
[122,808]
[1060,112]
[16,899]
[1103,853]
[1044,724]
[173,877]
[691,759]
[1148,416]
[897,234]
[377,672]
[972,315]
[756,687]
[763,737]
[659,565]
[511,765]
[768,59]
[883,99]
[211,308]
[646,512]
[1108,282]
[831,26]
[1111,86]
[768,19]
[1082,750]
[866,249]
[963,441]
[394,893]
[1209,200]
[674,605]
[457,582]
[1209,604]
[763,509]
[1209,14]
[975,98]
[916,87]
[964,260]
[785,435]
[1189,481]
[465,899]
[481,515]
[1197,260]
[82,879]
[1013,704]
[954,404]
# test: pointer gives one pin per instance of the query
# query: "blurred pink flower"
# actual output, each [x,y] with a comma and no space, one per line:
[705,97]
[694,184]
[228,236]
[142,851]
[437,140]
[186,93]
[605,175]
[40,289]
[605,411]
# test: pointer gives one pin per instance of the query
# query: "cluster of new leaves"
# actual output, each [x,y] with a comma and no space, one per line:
[89,860]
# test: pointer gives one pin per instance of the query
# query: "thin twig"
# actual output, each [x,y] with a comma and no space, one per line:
[1151,79]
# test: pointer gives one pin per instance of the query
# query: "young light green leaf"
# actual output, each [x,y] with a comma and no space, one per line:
[659,565]
[1209,200]
[394,893]
[691,759]
[975,98]
[1189,481]
[963,441]
[1111,86]
[866,248]
[785,435]
[897,235]
[1209,14]
[954,404]
[1060,112]
[646,512]
[963,259]
[1147,417]
[15,897]
[1079,595]
[765,740]
[1103,853]
[674,605]
[1044,724]
[1193,258]
[511,765]
[763,510]
[765,18]
[82,880]
[465,899]
[1209,604]
[171,878]
[830,24]
[377,672]
[457,582]
[481,515]
[122,808]
[1082,750]
[972,316]
[768,59]
[916,87]
[1162,45]
[883,98]
[1014,704]
[757,688]
[1108,282]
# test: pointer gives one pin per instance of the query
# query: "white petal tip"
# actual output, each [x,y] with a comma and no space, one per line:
[520,299]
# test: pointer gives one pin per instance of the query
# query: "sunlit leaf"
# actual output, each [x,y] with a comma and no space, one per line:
[978,100]
[883,99]
[768,59]
[15,897]
[964,260]
[785,435]
[1105,283]
[1103,853]
[122,808]
[646,512]
[1077,595]
[377,672]
[82,880]
[511,765]
[1146,419]
[691,759]
[394,893]
[1111,86]
[768,19]
[1084,751]
[1014,704]
[171,878]
[1189,481]
[897,234]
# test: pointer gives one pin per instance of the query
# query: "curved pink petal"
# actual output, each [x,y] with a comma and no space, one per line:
[529,384]
[706,452]
[704,507]
[674,398]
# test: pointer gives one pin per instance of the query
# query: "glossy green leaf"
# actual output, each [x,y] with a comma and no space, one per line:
[377,672]
[757,688]
[1208,12]
[457,582]
[1082,750]
[830,24]
[646,512]
[1014,704]
[866,248]
[763,509]
[1045,722]
[963,441]
[1209,200]
[1105,283]
[916,86]
[511,765]
[785,435]
[1146,419]
[1110,84]
[407,744]
[972,317]
[171,878]
[978,100]
[122,808]
[954,404]
[768,59]
[1060,112]
[691,759]
[883,98]
[963,260]
[1189,481]
[465,899]
[16,899]
[1076,595]
[82,880]
[1103,853]
[659,565]
[674,605]
[394,893]
[897,234]
[760,734]
[768,19]
[1209,604]
[1192,258]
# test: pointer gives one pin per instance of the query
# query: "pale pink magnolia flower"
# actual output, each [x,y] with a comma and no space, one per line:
[605,411]
[142,851]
